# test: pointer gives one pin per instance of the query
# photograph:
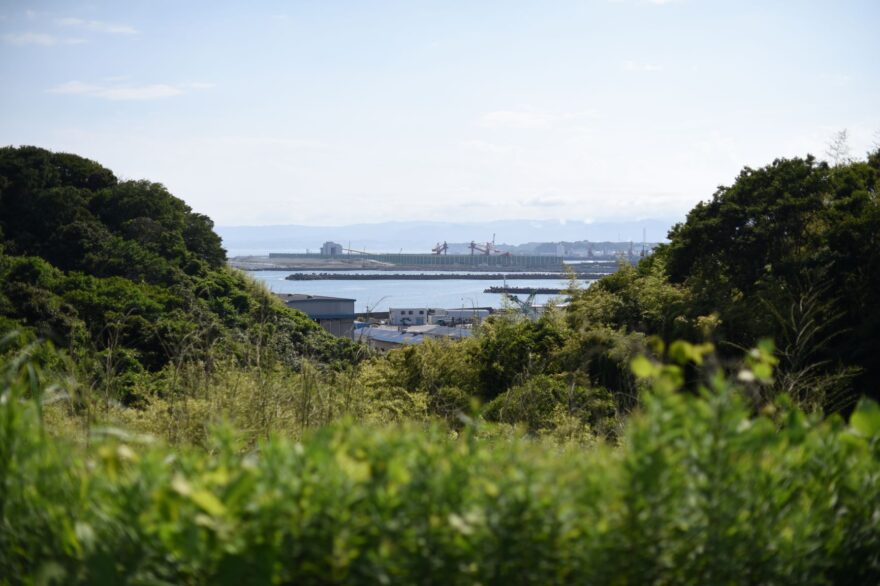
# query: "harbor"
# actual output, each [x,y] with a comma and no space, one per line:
[376,296]
[376,282]
[438,276]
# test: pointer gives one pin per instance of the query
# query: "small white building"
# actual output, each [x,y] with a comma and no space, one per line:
[454,317]
[407,316]
[331,249]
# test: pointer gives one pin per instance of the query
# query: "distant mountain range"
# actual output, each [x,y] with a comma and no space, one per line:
[418,236]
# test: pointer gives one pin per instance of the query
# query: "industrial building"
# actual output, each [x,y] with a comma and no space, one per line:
[420,316]
[454,317]
[331,249]
[334,314]
[408,316]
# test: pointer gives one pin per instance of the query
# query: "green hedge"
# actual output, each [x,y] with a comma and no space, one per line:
[699,492]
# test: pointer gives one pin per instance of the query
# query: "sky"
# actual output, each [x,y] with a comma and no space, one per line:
[326,112]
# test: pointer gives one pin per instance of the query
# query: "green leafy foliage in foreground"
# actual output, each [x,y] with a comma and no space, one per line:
[698,492]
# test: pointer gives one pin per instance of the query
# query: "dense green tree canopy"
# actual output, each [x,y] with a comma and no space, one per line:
[790,251]
[100,265]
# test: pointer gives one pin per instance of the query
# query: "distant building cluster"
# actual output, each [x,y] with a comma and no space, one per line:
[385,331]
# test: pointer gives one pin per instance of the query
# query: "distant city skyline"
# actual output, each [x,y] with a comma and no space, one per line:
[335,113]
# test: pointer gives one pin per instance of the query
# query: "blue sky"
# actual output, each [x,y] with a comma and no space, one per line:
[330,112]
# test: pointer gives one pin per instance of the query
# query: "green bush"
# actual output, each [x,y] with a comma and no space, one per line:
[698,492]
[542,400]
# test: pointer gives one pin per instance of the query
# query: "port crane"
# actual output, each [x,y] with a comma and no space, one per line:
[440,248]
[526,307]
[486,249]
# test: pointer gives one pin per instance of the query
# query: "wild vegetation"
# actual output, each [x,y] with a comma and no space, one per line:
[129,281]
[698,491]
[165,419]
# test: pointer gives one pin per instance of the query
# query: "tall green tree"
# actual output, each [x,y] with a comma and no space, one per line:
[791,251]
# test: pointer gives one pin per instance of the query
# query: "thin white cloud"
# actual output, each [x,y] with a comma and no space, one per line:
[529,118]
[97,26]
[258,142]
[486,147]
[118,92]
[524,119]
[542,201]
[40,39]
[636,66]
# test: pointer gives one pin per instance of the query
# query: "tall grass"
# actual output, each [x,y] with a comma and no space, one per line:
[699,492]
[181,406]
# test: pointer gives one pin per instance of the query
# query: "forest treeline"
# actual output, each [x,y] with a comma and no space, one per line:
[697,418]
[133,286]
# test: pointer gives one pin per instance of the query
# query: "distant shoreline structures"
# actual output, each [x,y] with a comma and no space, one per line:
[433,263]
[412,276]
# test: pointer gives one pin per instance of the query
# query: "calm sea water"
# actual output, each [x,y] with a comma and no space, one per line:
[380,295]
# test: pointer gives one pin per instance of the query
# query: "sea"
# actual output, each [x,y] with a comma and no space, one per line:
[379,295]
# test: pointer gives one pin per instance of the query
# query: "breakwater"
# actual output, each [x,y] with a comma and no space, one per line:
[526,290]
[439,277]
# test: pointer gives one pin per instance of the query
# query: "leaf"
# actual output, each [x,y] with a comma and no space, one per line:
[642,367]
[208,502]
[866,418]
[180,485]
[763,371]
[680,352]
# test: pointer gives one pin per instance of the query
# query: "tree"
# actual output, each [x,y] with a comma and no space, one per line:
[779,233]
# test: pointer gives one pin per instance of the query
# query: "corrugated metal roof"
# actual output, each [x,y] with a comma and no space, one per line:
[388,336]
[412,335]
[440,331]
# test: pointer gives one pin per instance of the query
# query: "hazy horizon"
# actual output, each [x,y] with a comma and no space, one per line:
[560,221]
[421,236]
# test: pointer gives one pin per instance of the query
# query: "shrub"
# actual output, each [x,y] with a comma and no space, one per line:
[541,402]
[699,492]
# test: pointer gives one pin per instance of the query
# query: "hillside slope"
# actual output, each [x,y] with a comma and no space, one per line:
[124,273]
